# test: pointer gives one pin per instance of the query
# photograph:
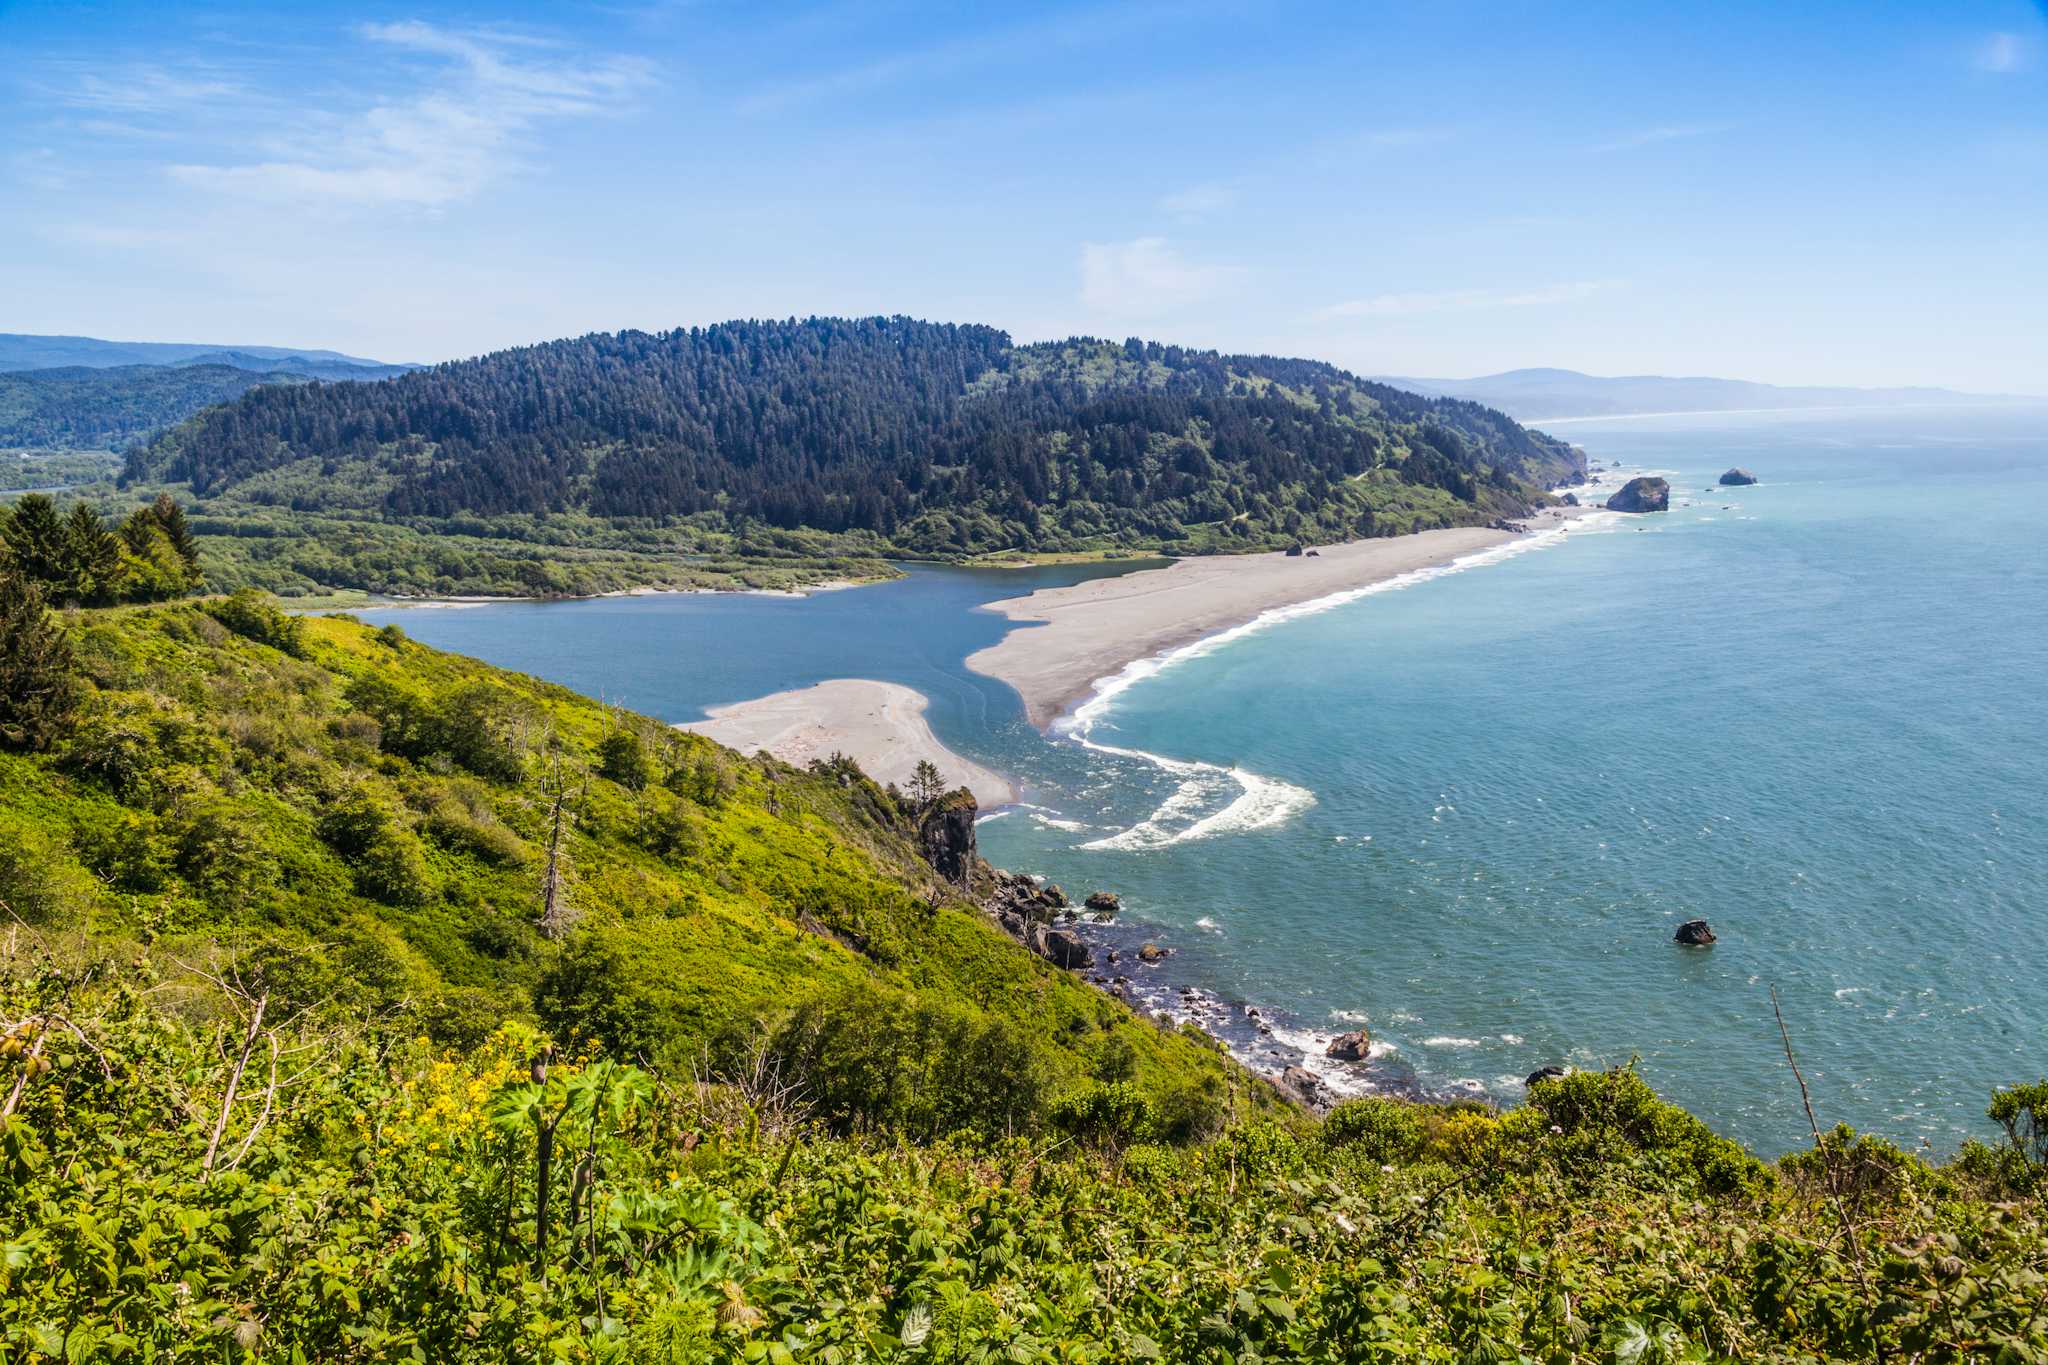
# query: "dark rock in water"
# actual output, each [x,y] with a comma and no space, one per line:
[1297,1083]
[1354,1046]
[1051,894]
[1645,494]
[1694,932]
[1063,949]
[1737,477]
[1548,1073]
[1571,500]
[1105,901]
[1151,952]
[946,836]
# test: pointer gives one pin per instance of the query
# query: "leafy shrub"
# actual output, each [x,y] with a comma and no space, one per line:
[255,616]
[1382,1131]
[39,880]
[875,1060]
[1604,1117]
[622,758]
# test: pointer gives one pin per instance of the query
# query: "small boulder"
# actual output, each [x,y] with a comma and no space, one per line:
[1645,494]
[1051,894]
[1737,477]
[1294,551]
[1151,952]
[1542,1074]
[1694,933]
[1571,500]
[1063,949]
[1354,1046]
[1105,902]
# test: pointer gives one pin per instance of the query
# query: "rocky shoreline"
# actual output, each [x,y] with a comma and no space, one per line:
[1306,1065]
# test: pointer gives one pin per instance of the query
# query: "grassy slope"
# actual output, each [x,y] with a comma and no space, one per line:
[188,811]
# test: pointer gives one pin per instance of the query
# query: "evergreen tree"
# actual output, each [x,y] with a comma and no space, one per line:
[92,558]
[171,518]
[38,682]
[34,536]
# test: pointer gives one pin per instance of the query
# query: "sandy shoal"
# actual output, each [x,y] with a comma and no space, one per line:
[879,725]
[1091,630]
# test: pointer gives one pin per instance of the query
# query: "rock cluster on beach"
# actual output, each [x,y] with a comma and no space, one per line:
[1647,493]
[1737,477]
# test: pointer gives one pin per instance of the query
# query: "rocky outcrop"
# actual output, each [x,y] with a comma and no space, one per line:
[945,835]
[1542,1074]
[1737,477]
[1300,1085]
[1644,494]
[1355,1046]
[1104,902]
[1152,952]
[1694,933]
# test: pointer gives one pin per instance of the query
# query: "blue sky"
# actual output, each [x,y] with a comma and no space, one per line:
[1822,193]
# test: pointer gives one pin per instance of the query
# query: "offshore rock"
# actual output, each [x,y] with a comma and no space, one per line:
[1151,952]
[1737,477]
[1644,494]
[1354,1046]
[1542,1074]
[946,836]
[1694,933]
[1105,902]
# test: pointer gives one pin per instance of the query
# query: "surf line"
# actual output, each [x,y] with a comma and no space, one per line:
[1262,802]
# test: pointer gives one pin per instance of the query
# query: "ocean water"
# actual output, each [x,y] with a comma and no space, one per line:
[1467,811]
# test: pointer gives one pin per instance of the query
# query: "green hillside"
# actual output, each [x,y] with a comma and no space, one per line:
[361,1002]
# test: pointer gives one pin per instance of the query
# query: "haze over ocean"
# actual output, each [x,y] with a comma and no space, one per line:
[1474,809]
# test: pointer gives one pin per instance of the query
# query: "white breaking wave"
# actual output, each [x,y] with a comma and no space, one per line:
[1054,822]
[1444,1040]
[992,815]
[1263,801]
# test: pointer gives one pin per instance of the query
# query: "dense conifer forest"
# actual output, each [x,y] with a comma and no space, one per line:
[891,435]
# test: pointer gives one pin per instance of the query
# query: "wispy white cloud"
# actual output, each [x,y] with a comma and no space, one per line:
[1666,132]
[140,88]
[1145,277]
[2005,53]
[452,131]
[1198,201]
[1464,300]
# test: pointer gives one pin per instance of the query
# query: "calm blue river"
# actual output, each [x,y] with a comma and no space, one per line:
[1467,814]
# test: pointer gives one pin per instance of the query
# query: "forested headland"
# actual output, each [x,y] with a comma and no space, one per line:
[825,446]
[363,1002]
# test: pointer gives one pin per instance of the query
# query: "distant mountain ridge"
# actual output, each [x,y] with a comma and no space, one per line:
[81,393]
[1551,394]
[29,351]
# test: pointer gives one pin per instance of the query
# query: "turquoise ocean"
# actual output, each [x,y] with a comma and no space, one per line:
[1467,811]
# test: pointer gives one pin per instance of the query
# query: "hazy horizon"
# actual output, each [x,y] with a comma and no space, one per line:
[1837,197]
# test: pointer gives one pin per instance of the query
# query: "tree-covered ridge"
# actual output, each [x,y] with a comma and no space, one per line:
[936,439]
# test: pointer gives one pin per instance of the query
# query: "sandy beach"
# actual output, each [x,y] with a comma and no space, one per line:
[1091,630]
[879,725]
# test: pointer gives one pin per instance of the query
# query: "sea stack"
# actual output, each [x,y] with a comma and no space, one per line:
[1737,477]
[1645,494]
[1694,933]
